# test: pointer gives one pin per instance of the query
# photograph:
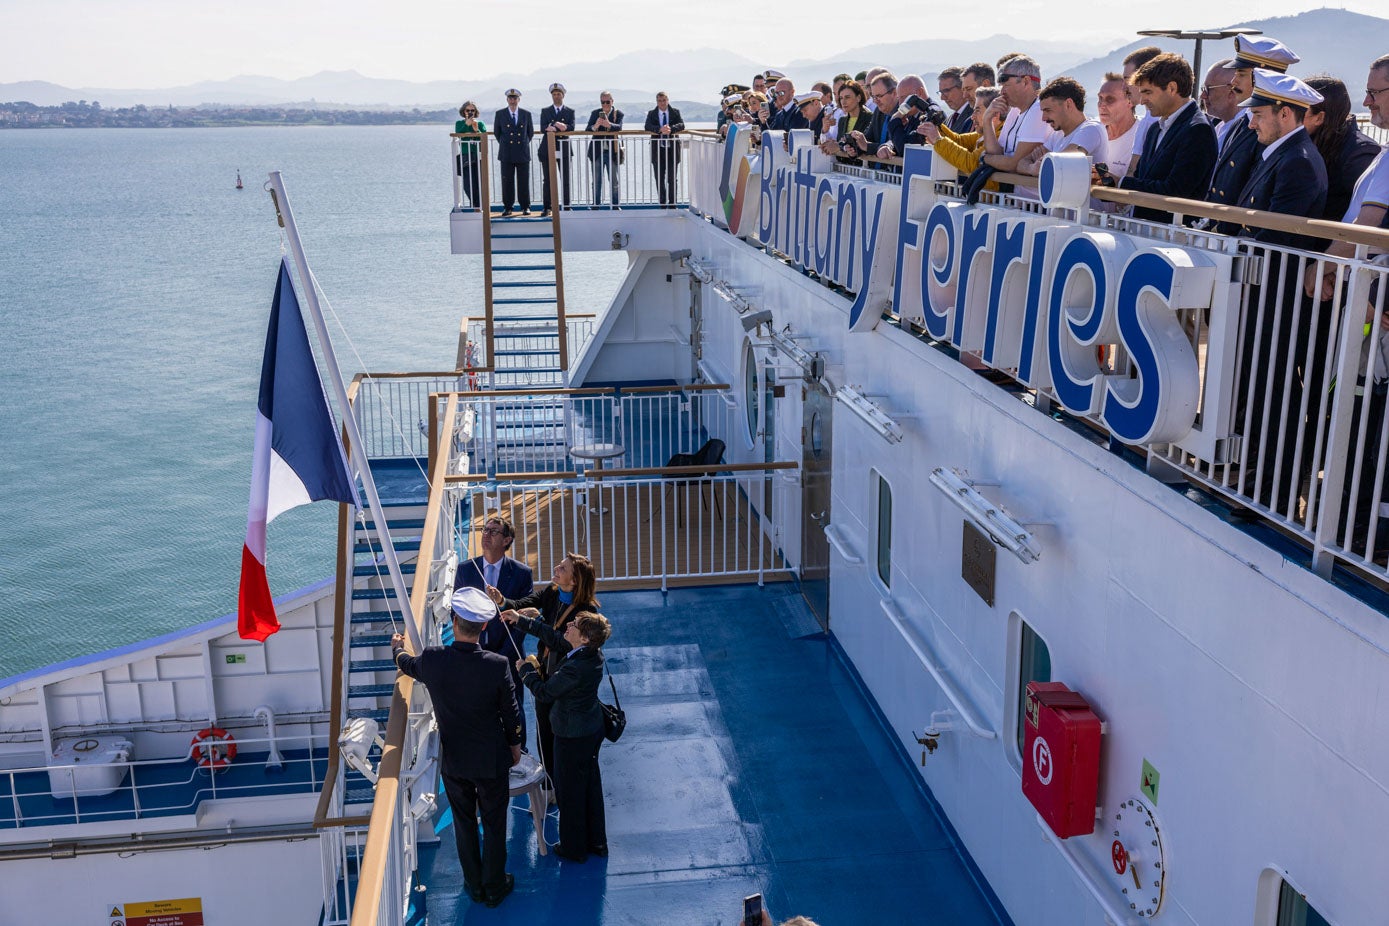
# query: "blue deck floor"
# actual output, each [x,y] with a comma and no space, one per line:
[753,761]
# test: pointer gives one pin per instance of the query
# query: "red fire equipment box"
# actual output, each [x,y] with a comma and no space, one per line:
[1061,758]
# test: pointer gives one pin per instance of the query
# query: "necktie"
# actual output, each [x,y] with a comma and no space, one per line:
[663,120]
[491,571]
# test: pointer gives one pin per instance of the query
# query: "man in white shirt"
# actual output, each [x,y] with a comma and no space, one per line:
[1023,130]
[1120,121]
[1063,108]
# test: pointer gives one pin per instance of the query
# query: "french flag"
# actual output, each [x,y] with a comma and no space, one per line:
[298,457]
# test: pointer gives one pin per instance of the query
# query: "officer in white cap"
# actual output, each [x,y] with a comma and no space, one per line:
[479,739]
[554,118]
[1239,149]
[811,105]
[1290,176]
[514,129]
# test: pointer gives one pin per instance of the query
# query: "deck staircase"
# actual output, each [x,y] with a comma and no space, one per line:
[370,672]
[525,337]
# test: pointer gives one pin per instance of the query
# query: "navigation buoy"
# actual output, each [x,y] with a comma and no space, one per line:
[239,185]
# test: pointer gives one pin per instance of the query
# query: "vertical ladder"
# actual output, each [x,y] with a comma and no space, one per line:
[371,673]
[523,288]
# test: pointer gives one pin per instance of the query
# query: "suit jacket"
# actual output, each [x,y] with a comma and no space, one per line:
[615,118]
[1357,151]
[659,142]
[572,689]
[547,115]
[862,123]
[549,626]
[785,121]
[902,132]
[513,139]
[1179,165]
[1291,181]
[1238,157]
[962,120]
[474,703]
[514,580]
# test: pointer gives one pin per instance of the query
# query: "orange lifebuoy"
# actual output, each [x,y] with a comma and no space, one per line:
[214,748]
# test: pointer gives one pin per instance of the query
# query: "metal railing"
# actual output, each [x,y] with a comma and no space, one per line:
[644,525]
[392,410]
[527,338]
[157,795]
[552,430]
[591,165]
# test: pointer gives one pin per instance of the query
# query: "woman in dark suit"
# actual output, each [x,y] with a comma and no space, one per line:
[1345,149]
[853,118]
[572,693]
[544,615]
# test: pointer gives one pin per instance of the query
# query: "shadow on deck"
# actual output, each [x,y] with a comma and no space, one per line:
[753,761]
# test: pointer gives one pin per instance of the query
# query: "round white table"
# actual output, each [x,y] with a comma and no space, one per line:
[597,453]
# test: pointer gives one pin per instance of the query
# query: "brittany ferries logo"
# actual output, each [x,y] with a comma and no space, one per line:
[734,175]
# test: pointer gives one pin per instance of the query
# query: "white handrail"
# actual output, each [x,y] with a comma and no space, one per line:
[1082,871]
[928,659]
[841,546]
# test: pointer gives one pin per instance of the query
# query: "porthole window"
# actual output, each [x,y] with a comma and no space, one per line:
[884,520]
[752,395]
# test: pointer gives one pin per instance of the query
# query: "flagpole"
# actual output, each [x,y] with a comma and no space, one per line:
[356,447]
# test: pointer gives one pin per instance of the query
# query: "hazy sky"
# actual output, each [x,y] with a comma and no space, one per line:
[160,43]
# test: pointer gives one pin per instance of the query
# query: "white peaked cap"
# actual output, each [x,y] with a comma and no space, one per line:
[473,605]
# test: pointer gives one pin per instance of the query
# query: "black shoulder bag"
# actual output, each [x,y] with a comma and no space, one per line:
[614,717]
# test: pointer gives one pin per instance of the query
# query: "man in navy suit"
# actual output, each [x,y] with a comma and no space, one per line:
[1289,178]
[1179,150]
[555,118]
[788,115]
[480,738]
[514,579]
[664,123]
[950,86]
[1239,147]
[514,130]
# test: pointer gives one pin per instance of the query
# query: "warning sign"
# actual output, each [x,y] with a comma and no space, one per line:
[187,911]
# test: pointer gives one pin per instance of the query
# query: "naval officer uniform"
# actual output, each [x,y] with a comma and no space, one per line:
[1240,148]
[479,739]
[514,130]
[555,114]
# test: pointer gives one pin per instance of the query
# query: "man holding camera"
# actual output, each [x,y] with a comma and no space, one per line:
[913,108]
[788,114]
[604,149]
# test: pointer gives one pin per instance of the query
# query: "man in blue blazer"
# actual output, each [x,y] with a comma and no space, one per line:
[554,118]
[514,579]
[514,130]
[1180,150]
[788,115]
[1289,178]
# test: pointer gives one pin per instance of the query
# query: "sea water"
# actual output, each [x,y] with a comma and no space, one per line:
[135,289]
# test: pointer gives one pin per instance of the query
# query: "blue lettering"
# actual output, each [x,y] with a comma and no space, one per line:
[868,240]
[937,274]
[825,219]
[974,239]
[917,163]
[844,250]
[1079,279]
[1033,308]
[1009,243]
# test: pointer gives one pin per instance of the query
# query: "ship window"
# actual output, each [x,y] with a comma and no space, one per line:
[752,396]
[884,530]
[1034,665]
[1294,910]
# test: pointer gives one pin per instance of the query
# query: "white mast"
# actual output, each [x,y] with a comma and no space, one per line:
[357,449]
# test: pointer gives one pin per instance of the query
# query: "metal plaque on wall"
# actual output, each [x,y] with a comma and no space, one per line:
[977,562]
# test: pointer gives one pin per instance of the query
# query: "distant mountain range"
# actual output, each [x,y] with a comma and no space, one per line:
[1329,40]
[1335,42]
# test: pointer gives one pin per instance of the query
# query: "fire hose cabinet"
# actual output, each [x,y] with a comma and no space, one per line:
[1061,758]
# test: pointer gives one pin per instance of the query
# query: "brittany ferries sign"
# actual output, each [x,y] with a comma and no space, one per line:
[1038,296]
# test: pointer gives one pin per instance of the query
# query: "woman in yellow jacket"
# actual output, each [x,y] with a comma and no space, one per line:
[962,150]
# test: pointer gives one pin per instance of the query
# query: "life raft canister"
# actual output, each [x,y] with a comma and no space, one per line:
[214,747]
